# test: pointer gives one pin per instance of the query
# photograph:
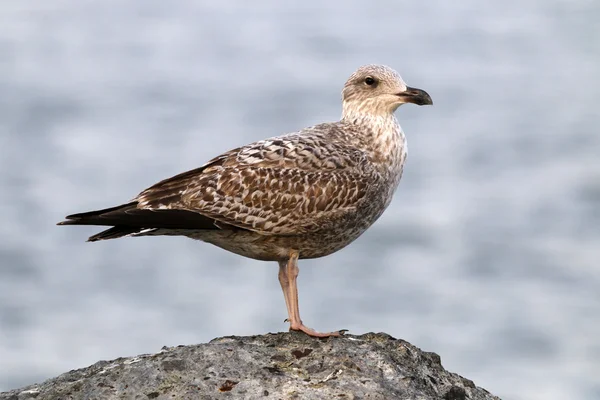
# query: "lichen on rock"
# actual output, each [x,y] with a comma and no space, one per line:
[271,366]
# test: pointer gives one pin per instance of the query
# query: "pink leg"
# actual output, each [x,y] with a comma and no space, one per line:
[288,272]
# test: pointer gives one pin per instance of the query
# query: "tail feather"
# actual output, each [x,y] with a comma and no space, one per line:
[114,233]
[127,219]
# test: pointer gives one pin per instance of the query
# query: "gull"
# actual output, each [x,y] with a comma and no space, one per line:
[296,196]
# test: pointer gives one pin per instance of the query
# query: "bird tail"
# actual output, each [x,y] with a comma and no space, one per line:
[98,217]
[114,233]
[128,219]
[102,217]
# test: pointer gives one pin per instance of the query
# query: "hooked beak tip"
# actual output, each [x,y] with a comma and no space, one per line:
[416,96]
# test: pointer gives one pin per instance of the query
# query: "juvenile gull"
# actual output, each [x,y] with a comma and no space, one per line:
[305,194]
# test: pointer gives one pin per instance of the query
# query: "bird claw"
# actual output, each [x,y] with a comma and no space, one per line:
[311,332]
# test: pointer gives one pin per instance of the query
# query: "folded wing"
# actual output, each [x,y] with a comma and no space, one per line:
[285,186]
[289,185]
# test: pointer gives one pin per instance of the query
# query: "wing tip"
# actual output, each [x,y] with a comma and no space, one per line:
[93,217]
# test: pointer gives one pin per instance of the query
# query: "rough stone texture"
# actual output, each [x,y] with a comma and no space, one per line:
[272,366]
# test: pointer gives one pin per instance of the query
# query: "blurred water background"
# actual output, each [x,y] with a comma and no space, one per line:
[489,254]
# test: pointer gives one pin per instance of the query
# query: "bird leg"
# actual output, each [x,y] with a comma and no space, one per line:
[288,272]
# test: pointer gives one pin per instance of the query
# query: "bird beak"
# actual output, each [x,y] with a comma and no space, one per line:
[415,96]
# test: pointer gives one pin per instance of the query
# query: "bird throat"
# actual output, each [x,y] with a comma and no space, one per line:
[382,138]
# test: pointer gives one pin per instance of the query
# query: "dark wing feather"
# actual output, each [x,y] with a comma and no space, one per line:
[128,215]
[288,185]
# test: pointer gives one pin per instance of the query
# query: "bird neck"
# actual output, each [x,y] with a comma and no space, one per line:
[381,135]
[373,121]
[376,126]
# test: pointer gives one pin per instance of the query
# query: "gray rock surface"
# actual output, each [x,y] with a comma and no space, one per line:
[272,366]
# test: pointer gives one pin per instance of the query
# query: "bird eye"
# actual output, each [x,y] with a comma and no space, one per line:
[369,80]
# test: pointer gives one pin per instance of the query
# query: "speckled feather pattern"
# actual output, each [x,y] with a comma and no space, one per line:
[313,191]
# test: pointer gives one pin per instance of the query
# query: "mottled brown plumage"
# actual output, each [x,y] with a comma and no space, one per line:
[302,195]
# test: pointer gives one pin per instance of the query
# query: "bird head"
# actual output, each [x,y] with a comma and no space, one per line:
[378,90]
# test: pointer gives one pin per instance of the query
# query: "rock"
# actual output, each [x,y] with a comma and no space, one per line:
[273,366]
